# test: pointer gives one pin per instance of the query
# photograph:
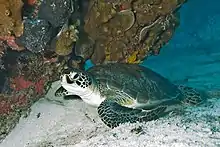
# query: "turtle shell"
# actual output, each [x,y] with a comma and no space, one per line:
[139,82]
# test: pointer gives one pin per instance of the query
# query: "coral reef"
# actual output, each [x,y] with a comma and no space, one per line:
[19,83]
[11,22]
[33,68]
[28,61]
[66,39]
[128,31]
[29,76]
[10,40]
[12,107]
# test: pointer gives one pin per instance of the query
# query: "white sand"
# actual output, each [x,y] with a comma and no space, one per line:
[57,120]
[76,124]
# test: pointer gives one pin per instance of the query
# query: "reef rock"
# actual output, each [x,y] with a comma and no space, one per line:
[56,12]
[36,35]
[127,30]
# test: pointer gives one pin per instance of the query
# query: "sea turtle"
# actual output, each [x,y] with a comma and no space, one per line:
[127,92]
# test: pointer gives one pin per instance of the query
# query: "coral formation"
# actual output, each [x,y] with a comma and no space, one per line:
[12,107]
[29,76]
[11,20]
[10,40]
[32,69]
[128,31]
[19,83]
[66,39]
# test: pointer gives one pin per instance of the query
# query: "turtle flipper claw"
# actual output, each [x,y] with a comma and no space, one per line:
[113,114]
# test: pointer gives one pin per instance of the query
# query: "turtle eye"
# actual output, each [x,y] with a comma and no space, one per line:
[75,76]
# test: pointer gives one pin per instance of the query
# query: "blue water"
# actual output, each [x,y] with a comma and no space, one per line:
[192,56]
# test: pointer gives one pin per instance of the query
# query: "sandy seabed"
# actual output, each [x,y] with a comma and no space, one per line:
[72,123]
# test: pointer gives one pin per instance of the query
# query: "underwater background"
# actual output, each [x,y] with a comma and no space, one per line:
[192,56]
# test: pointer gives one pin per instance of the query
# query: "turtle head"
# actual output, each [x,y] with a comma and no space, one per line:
[77,82]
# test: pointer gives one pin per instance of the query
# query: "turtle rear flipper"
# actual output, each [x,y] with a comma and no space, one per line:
[113,114]
[62,92]
[191,96]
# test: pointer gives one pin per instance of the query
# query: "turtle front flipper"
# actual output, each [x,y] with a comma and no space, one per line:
[192,96]
[113,114]
[60,92]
